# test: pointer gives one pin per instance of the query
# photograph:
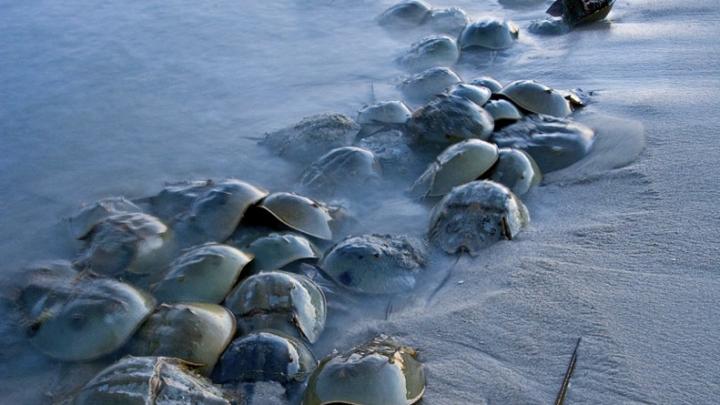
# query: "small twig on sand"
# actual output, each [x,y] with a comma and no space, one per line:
[444,281]
[568,374]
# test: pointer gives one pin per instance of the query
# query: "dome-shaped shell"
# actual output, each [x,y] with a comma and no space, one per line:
[516,170]
[265,356]
[449,20]
[537,98]
[477,94]
[549,26]
[553,143]
[279,300]
[176,198]
[451,119]
[487,82]
[502,110]
[277,250]
[405,14]
[341,170]
[378,372]
[458,164]
[435,50]
[38,284]
[132,242]
[476,215]
[375,264]
[150,380]
[87,217]
[489,33]
[93,318]
[204,273]
[384,112]
[427,84]
[193,332]
[392,149]
[299,213]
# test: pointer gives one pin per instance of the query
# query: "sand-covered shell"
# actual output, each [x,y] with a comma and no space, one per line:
[460,163]
[516,170]
[450,20]
[384,112]
[265,356]
[194,332]
[83,221]
[487,82]
[278,300]
[376,264]
[41,283]
[133,242]
[554,143]
[405,14]
[150,380]
[549,26]
[342,170]
[489,33]
[89,319]
[312,137]
[477,94]
[450,119]
[476,215]
[277,250]
[204,273]
[537,98]
[427,84]
[299,213]
[502,111]
[380,371]
[392,148]
[431,51]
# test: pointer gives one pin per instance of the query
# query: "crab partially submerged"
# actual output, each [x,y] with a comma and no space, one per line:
[393,149]
[405,14]
[176,198]
[432,51]
[299,213]
[449,119]
[427,84]
[342,170]
[375,264]
[85,220]
[476,215]
[381,116]
[477,94]
[489,33]
[449,20]
[277,250]
[151,380]
[516,170]
[537,98]
[278,300]
[380,371]
[488,82]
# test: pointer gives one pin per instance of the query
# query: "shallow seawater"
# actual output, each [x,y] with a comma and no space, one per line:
[118,99]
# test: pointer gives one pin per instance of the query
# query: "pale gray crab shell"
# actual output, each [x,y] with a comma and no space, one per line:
[150,380]
[87,217]
[449,119]
[176,198]
[476,215]
[277,250]
[517,170]
[341,170]
[96,318]
[291,303]
[477,94]
[375,264]
[503,110]
[449,20]
[384,112]
[427,84]
[431,51]
[194,332]
[488,82]
[489,33]
[41,284]
[537,98]
[458,164]
[299,213]
[405,14]
[378,372]
[204,273]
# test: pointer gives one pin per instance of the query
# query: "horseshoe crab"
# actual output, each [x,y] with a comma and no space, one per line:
[205,273]
[449,20]
[432,51]
[85,220]
[312,137]
[554,143]
[429,83]
[392,149]
[477,94]
[476,215]
[176,198]
[383,114]
[577,12]
[88,319]
[277,250]
[342,170]
[35,286]
[265,356]
[278,300]
[379,372]
[516,170]
[150,380]
[133,242]
[537,98]
[460,163]
[489,33]
[502,111]
[404,15]
[487,82]
[449,119]
[299,213]
[194,332]
[375,264]
[549,26]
